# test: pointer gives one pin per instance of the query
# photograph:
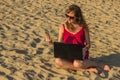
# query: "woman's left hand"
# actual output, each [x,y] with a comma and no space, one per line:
[85,49]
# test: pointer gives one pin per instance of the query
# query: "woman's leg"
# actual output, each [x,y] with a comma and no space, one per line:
[67,64]
[79,64]
[64,63]
[74,66]
[91,64]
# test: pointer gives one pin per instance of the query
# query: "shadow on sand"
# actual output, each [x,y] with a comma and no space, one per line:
[111,60]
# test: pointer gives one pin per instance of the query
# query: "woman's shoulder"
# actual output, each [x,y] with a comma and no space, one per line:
[85,28]
[61,27]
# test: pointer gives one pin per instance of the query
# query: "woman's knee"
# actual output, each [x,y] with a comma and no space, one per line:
[58,61]
[77,63]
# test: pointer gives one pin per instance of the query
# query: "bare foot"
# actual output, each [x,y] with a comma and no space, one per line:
[93,70]
[106,68]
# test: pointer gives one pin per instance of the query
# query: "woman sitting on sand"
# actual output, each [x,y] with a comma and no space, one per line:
[75,31]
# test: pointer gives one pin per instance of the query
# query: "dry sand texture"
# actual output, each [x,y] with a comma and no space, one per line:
[24,55]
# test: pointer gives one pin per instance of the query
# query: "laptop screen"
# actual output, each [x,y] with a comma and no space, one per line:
[68,51]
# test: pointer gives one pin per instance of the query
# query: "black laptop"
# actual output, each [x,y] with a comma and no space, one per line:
[67,51]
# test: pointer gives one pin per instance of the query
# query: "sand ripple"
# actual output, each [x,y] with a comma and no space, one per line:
[24,55]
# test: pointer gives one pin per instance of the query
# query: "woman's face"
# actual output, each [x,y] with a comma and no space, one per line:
[70,17]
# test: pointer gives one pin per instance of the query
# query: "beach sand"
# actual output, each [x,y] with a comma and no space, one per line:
[24,54]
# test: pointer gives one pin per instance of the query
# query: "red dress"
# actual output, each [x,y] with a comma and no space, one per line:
[77,38]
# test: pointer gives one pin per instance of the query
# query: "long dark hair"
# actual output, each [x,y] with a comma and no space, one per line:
[78,15]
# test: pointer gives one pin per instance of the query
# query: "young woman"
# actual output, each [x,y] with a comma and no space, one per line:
[75,31]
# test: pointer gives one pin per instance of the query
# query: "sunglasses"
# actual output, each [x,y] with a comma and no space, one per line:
[71,17]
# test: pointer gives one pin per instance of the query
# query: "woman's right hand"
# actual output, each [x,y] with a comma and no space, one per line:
[48,38]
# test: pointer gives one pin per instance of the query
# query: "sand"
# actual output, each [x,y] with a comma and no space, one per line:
[24,54]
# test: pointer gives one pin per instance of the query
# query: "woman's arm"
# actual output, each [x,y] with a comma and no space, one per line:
[87,39]
[60,34]
[87,43]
